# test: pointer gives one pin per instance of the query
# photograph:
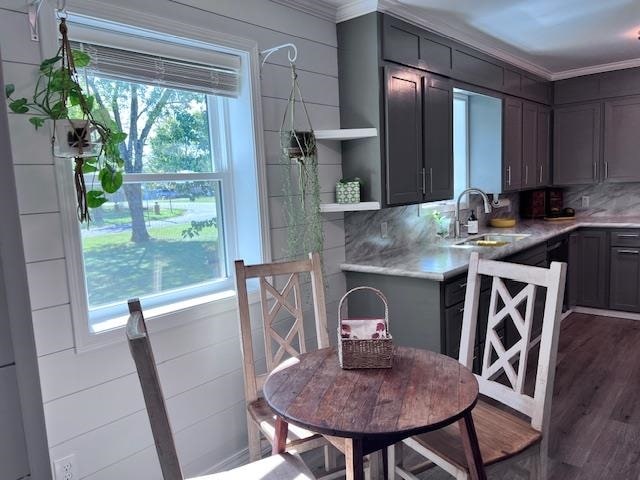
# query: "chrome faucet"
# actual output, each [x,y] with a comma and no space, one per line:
[487,208]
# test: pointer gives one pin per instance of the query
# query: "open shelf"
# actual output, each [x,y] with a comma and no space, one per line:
[349,207]
[346,133]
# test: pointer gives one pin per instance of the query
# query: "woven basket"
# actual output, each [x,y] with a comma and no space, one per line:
[365,353]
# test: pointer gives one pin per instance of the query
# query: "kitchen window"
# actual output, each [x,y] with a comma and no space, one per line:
[171,233]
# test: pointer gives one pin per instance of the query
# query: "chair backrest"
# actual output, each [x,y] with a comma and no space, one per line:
[274,303]
[496,358]
[145,364]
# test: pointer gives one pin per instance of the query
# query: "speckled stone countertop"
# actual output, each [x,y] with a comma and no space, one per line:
[440,261]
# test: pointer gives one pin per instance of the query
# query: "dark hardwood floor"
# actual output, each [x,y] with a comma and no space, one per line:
[595,425]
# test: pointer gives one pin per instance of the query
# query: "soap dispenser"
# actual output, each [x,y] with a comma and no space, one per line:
[472,223]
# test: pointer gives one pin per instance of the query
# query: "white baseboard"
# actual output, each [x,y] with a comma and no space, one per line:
[607,313]
[234,461]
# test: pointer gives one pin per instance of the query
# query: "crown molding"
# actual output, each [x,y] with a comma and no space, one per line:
[357,8]
[317,8]
[605,67]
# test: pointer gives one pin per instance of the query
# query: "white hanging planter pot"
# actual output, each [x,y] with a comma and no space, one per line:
[75,138]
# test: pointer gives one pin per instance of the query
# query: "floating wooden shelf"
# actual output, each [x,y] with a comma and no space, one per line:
[346,133]
[349,207]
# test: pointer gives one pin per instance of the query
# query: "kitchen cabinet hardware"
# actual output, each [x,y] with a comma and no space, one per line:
[628,235]
[526,174]
[509,175]
[424,181]
[606,170]
[430,179]
[629,252]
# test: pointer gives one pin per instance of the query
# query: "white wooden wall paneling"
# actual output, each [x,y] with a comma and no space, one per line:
[328,175]
[52,329]
[276,17]
[47,283]
[322,116]
[29,146]
[316,87]
[42,237]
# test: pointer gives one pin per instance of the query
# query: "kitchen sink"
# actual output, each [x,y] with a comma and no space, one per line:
[491,240]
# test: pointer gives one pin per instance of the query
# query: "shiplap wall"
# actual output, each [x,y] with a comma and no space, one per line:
[92,400]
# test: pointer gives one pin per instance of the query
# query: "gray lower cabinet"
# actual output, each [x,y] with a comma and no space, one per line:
[576,144]
[589,265]
[624,287]
[621,140]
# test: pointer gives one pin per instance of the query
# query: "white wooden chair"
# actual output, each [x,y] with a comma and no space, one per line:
[280,342]
[502,434]
[276,467]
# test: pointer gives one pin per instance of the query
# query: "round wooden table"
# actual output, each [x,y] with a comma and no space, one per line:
[362,411]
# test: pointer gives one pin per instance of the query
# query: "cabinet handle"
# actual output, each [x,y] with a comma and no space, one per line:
[461,309]
[509,175]
[526,174]
[632,252]
[541,166]
[462,285]
[430,180]
[628,235]
[595,170]
[424,182]
[606,170]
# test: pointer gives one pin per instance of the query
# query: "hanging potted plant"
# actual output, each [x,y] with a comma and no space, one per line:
[299,150]
[81,129]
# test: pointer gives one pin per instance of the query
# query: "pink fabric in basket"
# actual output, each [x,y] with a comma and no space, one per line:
[363,328]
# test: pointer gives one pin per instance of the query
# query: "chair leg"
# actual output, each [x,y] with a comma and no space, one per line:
[255,450]
[391,462]
[374,467]
[330,458]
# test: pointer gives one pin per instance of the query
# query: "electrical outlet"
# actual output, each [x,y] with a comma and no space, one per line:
[384,230]
[65,468]
[585,201]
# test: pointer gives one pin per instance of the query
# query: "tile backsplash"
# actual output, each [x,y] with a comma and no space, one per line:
[610,199]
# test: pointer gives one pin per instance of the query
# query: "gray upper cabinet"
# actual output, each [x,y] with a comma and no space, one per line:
[512,145]
[576,144]
[412,46]
[529,144]
[616,83]
[543,149]
[415,47]
[438,138]
[403,134]
[622,140]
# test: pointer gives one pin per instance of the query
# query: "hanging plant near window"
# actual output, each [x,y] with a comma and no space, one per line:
[300,165]
[82,130]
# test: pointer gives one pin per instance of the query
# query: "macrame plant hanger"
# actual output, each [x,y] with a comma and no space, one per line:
[299,149]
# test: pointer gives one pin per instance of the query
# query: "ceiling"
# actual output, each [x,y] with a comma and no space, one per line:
[555,38]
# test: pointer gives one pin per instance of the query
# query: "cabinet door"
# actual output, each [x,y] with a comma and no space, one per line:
[529,144]
[403,136]
[593,275]
[622,140]
[576,145]
[438,138]
[543,155]
[512,142]
[624,290]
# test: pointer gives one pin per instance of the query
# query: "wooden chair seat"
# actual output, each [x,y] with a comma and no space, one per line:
[276,467]
[266,419]
[500,434]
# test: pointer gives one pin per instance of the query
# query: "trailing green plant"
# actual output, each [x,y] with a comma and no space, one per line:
[58,96]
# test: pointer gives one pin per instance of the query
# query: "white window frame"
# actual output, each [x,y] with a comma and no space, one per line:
[182,312]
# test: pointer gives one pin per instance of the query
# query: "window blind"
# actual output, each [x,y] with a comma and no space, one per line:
[220,77]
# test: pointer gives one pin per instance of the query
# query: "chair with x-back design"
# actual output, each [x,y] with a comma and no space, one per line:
[501,433]
[282,309]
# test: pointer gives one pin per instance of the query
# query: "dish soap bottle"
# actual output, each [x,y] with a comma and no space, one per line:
[472,223]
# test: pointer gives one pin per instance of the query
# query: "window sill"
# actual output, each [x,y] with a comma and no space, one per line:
[167,317]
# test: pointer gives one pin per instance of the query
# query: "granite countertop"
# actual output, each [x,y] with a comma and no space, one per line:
[440,261]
